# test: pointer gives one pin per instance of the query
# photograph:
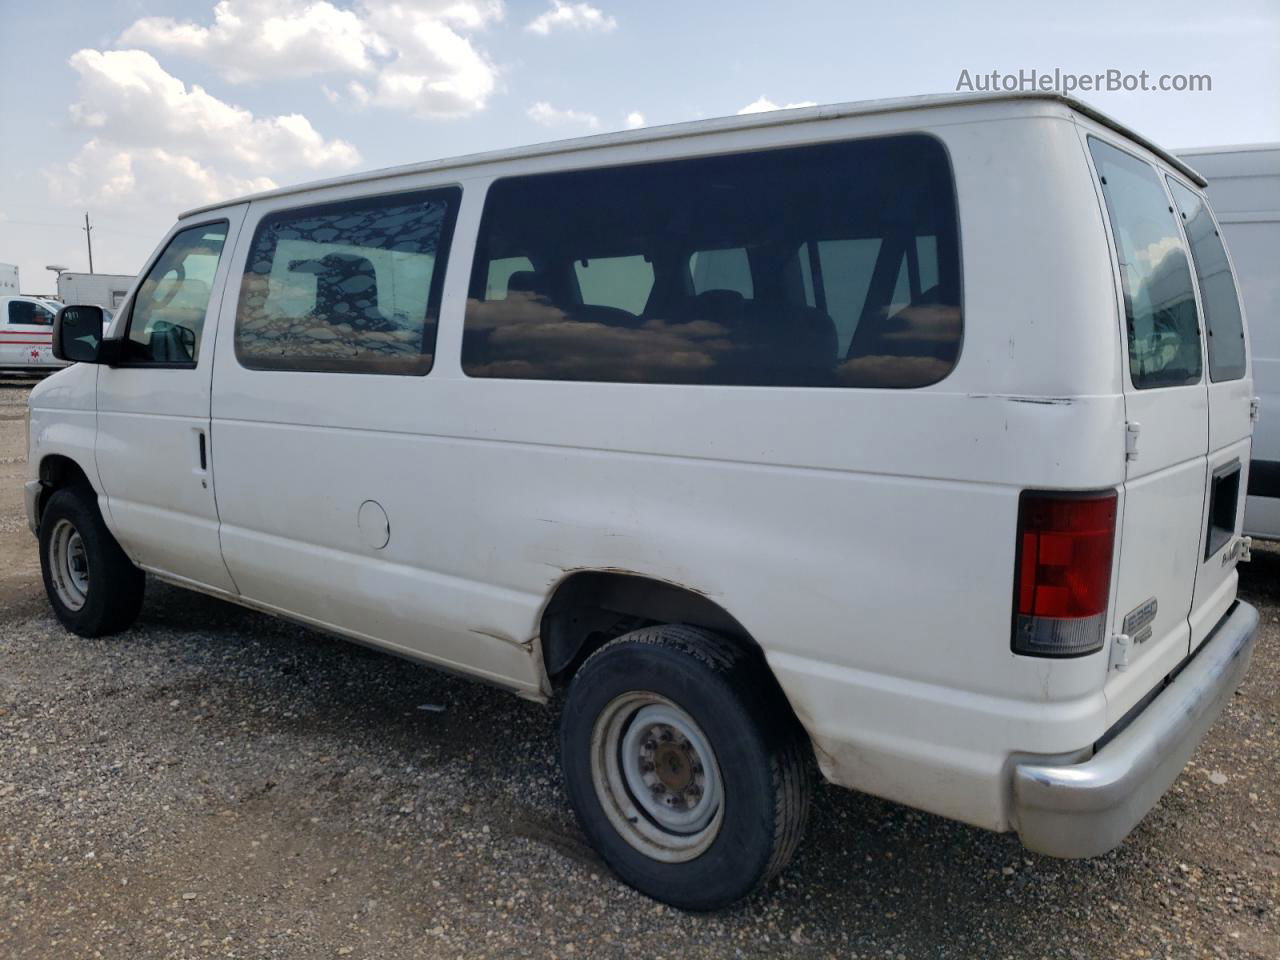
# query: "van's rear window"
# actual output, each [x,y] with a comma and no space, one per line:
[1159,302]
[1218,296]
[823,266]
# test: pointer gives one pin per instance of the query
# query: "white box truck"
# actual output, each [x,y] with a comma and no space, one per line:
[94,289]
[8,280]
[1244,188]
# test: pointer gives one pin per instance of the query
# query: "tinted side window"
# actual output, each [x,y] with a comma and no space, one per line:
[168,311]
[1218,296]
[1159,304]
[24,311]
[350,287]
[823,266]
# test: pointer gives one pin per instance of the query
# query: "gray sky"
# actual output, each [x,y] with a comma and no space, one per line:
[136,109]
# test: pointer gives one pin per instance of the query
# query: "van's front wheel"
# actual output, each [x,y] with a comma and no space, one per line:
[684,765]
[92,585]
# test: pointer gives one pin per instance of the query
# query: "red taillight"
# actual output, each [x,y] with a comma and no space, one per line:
[1063,572]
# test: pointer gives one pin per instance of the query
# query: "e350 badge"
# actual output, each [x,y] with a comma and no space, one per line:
[1137,622]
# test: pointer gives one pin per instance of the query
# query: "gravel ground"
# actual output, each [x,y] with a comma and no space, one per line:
[216,783]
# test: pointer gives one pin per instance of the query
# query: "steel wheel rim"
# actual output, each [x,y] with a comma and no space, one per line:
[657,777]
[69,565]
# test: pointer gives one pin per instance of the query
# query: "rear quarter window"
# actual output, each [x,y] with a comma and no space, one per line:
[1159,301]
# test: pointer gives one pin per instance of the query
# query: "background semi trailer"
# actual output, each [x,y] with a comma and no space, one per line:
[1244,188]
[97,289]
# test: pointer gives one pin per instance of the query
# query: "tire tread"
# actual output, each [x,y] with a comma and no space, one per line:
[744,671]
[117,586]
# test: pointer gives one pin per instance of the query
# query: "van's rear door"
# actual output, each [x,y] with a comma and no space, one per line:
[1158,553]
[1230,391]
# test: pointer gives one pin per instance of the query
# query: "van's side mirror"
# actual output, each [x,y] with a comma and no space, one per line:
[77,334]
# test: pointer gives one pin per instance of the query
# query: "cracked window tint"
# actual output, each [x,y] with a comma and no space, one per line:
[351,287]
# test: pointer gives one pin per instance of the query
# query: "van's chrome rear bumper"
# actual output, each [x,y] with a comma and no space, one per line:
[1085,809]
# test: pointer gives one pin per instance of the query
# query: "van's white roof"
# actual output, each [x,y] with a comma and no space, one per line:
[718,124]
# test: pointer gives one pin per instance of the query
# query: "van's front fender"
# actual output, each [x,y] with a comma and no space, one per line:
[62,427]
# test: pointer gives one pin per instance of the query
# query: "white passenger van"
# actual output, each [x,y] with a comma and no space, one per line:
[1244,187]
[880,434]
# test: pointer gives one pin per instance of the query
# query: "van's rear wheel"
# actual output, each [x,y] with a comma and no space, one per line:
[93,587]
[684,765]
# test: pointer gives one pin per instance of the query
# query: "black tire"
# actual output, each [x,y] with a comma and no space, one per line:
[114,585]
[760,753]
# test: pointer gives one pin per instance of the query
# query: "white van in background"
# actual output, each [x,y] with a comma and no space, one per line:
[882,435]
[1244,186]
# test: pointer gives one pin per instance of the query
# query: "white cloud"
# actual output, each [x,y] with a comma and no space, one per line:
[573,16]
[433,70]
[250,36]
[635,120]
[546,115]
[110,176]
[128,98]
[764,103]
[155,138]
[408,55]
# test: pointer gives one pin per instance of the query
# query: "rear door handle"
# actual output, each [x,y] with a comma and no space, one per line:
[204,456]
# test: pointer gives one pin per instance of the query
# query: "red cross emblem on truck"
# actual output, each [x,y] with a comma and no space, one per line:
[35,354]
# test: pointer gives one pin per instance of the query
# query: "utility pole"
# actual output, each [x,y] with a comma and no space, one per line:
[89,240]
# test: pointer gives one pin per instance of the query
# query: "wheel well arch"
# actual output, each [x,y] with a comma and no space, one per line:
[58,472]
[590,607]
